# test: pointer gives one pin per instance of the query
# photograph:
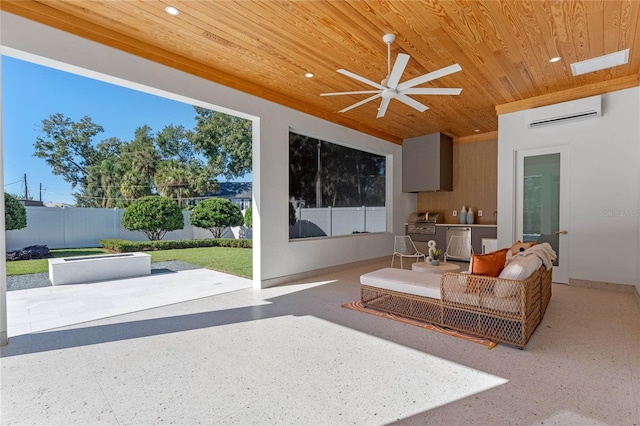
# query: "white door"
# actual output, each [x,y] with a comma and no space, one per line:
[542,202]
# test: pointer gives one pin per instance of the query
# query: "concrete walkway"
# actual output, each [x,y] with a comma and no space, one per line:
[45,308]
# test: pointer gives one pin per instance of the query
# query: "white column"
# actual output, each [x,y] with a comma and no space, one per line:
[3,242]
[257,204]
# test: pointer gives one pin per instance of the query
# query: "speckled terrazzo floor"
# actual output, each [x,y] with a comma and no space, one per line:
[292,355]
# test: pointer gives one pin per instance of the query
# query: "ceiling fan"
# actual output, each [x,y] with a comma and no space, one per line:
[391,88]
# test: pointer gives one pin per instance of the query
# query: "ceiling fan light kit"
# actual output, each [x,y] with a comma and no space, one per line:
[391,88]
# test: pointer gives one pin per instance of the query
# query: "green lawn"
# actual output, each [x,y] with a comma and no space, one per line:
[235,261]
[21,267]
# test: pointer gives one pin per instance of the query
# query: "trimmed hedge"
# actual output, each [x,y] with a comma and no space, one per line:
[124,246]
[215,214]
[154,216]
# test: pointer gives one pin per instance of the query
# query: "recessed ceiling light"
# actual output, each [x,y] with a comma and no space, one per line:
[476,130]
[600,63]
[308,75]
[556,59]
[171,10]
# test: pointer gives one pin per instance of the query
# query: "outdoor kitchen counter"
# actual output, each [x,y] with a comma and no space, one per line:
[466,224]
[478,232]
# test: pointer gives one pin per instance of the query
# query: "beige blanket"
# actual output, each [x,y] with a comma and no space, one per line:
[543,251]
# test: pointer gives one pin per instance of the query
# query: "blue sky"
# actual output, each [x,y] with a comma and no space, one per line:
[31,93]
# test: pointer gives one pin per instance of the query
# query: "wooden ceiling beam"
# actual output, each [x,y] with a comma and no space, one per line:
[480,137]
[570,94]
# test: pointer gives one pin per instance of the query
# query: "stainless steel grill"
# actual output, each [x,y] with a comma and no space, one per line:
[422,223]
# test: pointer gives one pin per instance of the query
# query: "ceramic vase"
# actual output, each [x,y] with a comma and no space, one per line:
[470,216]
[463,215]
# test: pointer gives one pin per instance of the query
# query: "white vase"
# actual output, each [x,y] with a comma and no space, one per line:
[470,216]
[463,215]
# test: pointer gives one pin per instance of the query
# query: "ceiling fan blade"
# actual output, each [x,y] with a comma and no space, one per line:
[431,91]
[430,76]
[411,102]
[398,68]
[357,104]
[361,92]
[362,79]
[383,107]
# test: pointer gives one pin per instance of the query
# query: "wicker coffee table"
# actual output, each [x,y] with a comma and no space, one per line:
[440,269]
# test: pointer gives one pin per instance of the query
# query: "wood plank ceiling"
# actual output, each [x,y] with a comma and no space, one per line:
[266,47]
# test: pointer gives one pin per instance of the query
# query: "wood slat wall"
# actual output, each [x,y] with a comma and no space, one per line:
[475,184]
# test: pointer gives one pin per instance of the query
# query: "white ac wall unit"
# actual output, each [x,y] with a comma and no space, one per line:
[579,109]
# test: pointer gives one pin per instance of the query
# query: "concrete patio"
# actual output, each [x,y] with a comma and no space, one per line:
[292,355]
[44,308]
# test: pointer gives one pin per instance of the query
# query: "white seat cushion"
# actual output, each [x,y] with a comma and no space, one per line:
[404,281]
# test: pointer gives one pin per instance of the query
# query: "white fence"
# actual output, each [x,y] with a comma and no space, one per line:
[332,221]
[85,227]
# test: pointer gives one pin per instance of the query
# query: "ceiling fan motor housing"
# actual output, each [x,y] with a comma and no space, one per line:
[389,94]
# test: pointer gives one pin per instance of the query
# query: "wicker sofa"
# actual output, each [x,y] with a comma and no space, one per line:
[499,309]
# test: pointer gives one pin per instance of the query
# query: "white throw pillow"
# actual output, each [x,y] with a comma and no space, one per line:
[514,271]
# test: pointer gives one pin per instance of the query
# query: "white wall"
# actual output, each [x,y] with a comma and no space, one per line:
[3,266]
[604,153]
[274,255]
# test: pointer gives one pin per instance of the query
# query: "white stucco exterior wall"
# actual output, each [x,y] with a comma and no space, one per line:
[604,178]
[3,249]
[275,256]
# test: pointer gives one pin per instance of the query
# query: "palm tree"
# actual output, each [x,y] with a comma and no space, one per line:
[110,179]
[172,181]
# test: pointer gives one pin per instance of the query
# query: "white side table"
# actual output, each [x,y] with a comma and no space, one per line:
[440,269]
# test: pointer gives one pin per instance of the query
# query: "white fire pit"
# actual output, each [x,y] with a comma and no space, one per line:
[84,269]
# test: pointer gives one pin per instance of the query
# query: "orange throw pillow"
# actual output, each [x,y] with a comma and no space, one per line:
[489,264]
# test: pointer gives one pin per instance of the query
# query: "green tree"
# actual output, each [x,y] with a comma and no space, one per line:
[172,181]
[67,147]
[347,177]
[202,177]
[15,215]
[303,170]
[179,181]
[174,142]
[111,174]
[224,140]
[104,178]
[154,216]
[181,174]
[140,159]
[248,217]
[215,214]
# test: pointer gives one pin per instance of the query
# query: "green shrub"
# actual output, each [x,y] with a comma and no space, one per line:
[125,246]
[15,215]
[248,217]
[215,214]
[154,216]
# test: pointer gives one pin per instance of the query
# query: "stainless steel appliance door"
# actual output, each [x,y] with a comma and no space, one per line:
[458,243]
